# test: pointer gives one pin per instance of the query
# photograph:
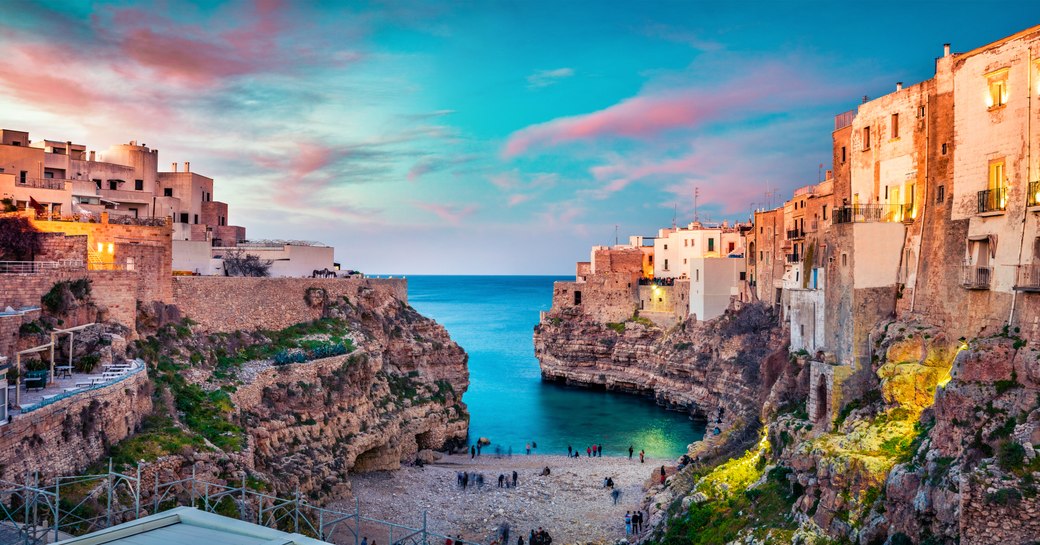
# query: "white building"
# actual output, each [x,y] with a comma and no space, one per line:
[713,282]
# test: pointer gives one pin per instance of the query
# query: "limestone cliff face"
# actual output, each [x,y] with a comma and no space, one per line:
[729,363]
[367,386]
[399,393]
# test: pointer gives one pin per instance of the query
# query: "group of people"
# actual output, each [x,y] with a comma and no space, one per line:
[466,479]
[541,537]
[633,522]
[504,482]
[591,451]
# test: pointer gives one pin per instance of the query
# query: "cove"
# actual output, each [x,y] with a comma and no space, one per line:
[493,318]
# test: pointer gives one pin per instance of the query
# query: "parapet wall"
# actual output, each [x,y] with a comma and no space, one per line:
[61,439]
[220,303]
[115,292]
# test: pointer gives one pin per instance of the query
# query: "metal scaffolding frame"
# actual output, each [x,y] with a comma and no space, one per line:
[39,513]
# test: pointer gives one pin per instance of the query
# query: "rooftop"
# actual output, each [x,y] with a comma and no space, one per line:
[189,525]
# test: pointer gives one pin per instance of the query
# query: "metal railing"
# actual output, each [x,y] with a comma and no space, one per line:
[868,213]
[34,513]
[843,120]
[795,234]
[1027,278]
[44,183]
[1033,198]
[975,277]
[992,200]
[34,267]
[909,212]
[793,258]
[65,395]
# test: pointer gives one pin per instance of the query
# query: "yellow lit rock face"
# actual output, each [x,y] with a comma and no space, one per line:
[913,367]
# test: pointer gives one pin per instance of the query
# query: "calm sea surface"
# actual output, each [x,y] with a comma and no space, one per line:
[493,319]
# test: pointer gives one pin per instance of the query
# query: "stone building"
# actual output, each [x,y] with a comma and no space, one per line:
[63,180]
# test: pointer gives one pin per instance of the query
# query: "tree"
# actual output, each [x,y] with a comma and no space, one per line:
[19,240]
[239,263]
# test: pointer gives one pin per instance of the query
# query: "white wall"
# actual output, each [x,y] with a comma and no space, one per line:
[807,319]
[878,247]
[713,281]
[193,256]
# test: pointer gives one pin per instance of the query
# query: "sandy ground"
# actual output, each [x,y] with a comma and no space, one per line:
[570,503]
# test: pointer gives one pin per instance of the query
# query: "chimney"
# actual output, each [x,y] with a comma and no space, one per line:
[899,86]
[187,166]
[828,175]
[175,167]
[865,99]
[946,50]
[91,155]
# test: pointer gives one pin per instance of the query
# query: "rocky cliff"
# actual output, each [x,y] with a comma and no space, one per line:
[368,385]
[932,443]
[721,370]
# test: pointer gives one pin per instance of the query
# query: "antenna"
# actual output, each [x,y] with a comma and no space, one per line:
[675,208]
[696,195]
[615,234]
[819,174]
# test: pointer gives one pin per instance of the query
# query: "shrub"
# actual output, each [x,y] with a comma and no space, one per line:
[618,328]
[1004,496]
[1010,455]
[87,363]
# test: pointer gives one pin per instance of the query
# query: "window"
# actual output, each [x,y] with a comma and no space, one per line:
[732,246]
[184,217]
[133,212]
[139,185]
[998,92]
[196,219]
[711,244]
[844,260]
[940,194]
[920,111]
[743,275]
[665,246]
[112,184]
[22,175]
[996,174]
[686,242]
[167,192]
[698,275]
[944,148]
[577,298]
[825,212]
[866,138]
[97,183]
[843,154]
[666,264]
[895,125]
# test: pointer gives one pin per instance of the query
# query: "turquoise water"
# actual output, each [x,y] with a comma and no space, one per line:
[493,319]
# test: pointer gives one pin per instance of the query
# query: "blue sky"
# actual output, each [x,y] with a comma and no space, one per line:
[474,137]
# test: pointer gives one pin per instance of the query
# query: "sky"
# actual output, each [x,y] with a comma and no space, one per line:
[475,137]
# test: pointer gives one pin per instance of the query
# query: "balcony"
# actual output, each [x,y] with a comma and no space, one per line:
[869,213]
[843,120]
[794,234]
[909,213]
[992,200]
[43,183]
[793,258]
[1033,198]
[975,277]
[1028,278]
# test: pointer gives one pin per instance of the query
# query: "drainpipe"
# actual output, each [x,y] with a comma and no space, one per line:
[1029,177]
[925,203]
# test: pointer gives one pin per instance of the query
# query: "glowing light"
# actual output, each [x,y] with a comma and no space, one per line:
[111,247]
[100,247]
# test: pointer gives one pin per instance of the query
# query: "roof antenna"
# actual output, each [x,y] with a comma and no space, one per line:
[615,234]
[675,209]
[696,195]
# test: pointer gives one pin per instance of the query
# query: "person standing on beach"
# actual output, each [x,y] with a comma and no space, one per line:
[641,454]
[528,447]
[472,452]
[615,494]
[662,474]
[588,452]
[569,451]
[520,540]
[629,452]
[628,523]
[514,479]
[364,540]
[501,480]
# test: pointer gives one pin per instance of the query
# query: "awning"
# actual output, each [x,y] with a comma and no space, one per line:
[991,241]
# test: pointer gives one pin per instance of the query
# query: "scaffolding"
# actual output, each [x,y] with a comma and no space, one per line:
[36,513]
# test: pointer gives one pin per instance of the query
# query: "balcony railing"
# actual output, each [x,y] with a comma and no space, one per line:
[34,267]
[993,200]
[868,213]
[1033,199]
[793,234]
[909,213]
[844,119]
[1028,278]
[975,277]
[793,258]
[44,183]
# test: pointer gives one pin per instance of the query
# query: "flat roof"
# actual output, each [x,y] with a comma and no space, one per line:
[184,525]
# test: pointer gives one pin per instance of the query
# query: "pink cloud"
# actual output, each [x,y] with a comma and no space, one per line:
[451,214]
[518,198]
[769,88]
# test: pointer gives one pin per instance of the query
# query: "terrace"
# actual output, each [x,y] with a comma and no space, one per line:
[870,213]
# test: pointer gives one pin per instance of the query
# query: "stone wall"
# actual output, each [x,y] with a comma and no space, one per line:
[63,438]
[605,297]
[9,330]
[220,303]
[115,292]
[984,522]
[59,247]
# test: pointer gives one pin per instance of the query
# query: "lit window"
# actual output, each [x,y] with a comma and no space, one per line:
[111,247]
[998,90]
[996,174]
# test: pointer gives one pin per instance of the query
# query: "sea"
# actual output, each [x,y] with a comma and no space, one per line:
[493,319]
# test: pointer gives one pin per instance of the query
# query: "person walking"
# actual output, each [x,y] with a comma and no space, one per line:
[364,540]
[662,474]
[615,494]
[472,452]
[501,480]
[641,454]
[528,447]
[628,523]
[629,452]
[514,479]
